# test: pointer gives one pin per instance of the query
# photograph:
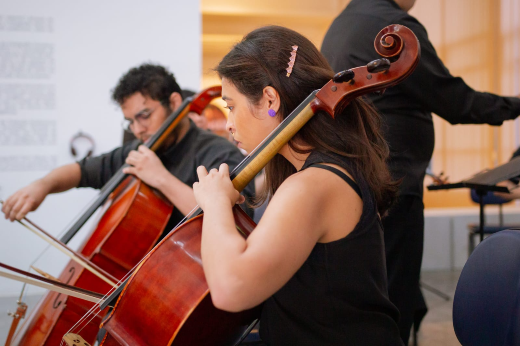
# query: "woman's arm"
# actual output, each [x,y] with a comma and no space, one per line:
[243,273]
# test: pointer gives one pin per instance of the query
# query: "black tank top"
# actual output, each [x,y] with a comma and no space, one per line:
[339,296]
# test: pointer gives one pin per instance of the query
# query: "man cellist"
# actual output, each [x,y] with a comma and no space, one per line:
[147,95]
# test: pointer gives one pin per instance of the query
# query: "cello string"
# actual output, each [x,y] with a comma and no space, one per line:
[85,317]
[90,315]
[24,292]
[91,312]
[85,322]
[78,215]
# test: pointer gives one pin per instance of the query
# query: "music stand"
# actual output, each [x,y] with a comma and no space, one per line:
[485,181]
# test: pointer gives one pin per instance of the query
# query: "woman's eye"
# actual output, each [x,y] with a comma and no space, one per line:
[229,107]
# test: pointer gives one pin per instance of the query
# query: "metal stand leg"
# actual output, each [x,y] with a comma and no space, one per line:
[471,241]
[435,291]
[481,202]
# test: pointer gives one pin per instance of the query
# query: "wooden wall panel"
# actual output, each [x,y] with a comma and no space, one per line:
[225,22]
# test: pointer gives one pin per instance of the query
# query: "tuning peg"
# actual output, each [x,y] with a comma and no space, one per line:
[343,76]
[379,65]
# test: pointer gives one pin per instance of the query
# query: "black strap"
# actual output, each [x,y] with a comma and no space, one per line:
[340,174]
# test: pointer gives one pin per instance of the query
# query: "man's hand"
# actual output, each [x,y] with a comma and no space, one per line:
[25,200]
[147,166]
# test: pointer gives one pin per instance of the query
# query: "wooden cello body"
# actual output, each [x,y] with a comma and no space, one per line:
[166,301]
[180,322]
[134,217]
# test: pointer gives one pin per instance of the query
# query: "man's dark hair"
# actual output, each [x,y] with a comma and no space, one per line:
[153,81]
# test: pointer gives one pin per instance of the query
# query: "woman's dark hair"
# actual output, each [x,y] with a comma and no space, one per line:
[153,81]
[260,60]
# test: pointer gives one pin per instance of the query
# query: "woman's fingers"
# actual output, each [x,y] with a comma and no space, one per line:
[241,199]
[224,169]
[201,172]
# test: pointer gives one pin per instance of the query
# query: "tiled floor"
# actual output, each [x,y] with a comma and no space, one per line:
[436,329]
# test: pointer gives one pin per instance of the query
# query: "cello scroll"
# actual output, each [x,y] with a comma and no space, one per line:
[396,43]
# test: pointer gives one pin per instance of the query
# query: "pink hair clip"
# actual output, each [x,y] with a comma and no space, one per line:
[291,60]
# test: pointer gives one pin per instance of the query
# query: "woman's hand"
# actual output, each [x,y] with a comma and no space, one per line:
[147,166]
[215,187]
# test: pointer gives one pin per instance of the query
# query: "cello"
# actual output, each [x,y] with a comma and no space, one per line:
[119,241]
[166,301]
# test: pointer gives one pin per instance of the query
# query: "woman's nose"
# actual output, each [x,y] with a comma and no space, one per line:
[230,126]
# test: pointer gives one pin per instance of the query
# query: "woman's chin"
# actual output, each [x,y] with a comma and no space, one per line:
[241,147]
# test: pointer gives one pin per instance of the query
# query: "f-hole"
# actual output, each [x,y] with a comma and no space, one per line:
[57,302]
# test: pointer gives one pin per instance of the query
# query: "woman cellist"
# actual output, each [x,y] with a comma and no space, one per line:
[316,258]
[147,95]
[330,289]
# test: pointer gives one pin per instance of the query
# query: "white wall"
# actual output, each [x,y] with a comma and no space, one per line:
[446,234]
[69,55]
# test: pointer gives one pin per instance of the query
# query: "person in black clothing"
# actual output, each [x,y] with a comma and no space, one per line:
[408,128]
[147,95]
[317,252]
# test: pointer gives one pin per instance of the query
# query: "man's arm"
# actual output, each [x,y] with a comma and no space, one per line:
[30,197]
[450,97]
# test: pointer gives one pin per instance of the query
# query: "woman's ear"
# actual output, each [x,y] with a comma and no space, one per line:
[175,101]
[272,98]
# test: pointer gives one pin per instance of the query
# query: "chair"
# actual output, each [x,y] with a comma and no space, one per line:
[474,228]
[486,306]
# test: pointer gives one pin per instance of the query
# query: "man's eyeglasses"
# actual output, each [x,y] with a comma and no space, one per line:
[141,118]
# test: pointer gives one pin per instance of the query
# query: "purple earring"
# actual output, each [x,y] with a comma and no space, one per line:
[271,112]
